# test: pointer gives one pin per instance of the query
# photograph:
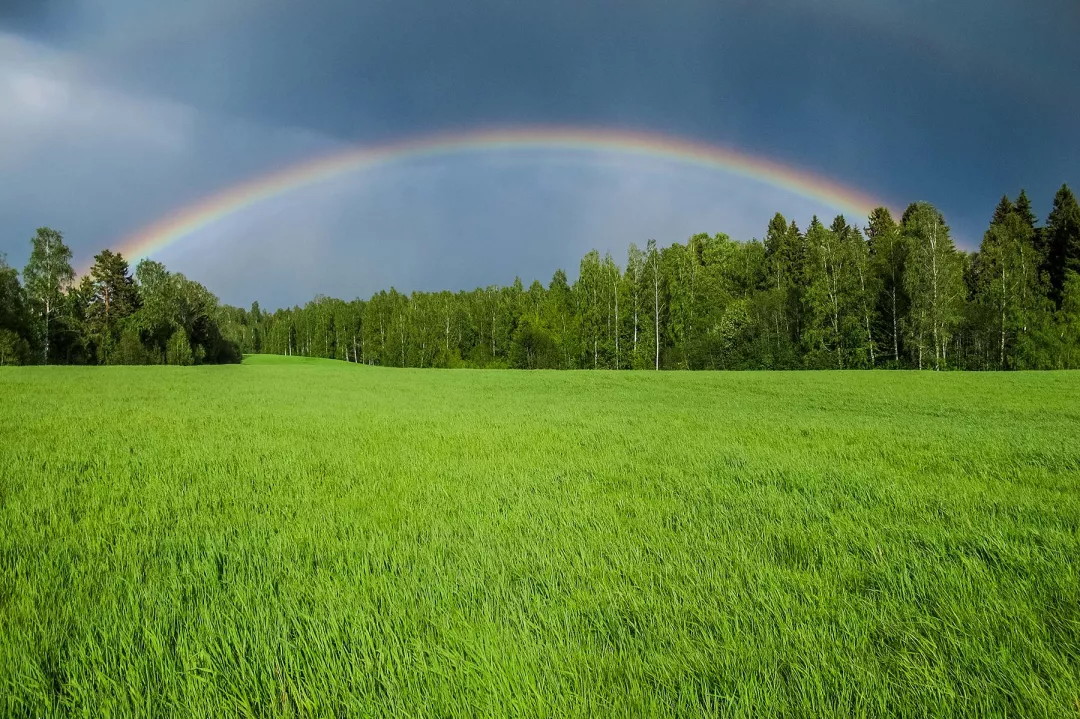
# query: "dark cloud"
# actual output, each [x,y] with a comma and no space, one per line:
[950,102]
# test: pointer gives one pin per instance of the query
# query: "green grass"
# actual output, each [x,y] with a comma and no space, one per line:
[308,538]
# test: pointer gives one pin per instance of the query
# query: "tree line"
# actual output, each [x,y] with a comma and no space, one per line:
[891,294]
[109,316]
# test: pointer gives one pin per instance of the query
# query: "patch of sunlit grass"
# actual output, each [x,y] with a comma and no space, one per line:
[311,538]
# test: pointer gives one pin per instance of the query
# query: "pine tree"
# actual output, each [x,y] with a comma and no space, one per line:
[115,297]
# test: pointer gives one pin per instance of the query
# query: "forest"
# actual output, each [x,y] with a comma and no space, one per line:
[891,294]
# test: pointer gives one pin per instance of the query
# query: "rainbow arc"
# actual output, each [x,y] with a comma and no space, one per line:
[193,218]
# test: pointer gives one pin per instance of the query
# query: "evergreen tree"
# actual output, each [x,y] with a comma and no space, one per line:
[1004,209]
[1024,211]
[114,297]
[1062,240]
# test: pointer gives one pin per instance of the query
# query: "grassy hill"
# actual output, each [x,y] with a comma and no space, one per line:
[313,538]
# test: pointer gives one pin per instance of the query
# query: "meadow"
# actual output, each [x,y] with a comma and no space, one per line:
[293,537]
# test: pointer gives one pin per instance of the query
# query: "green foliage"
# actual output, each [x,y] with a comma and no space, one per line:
[888,262]
[1024,211]
[14,349]
[533,347]
[1062,240]
[47,276]
[1067,329]
[899,296]
[1008,288]
[15,321]
[112,297]
[130,350]
[298,537]
[178,350]
[934,282]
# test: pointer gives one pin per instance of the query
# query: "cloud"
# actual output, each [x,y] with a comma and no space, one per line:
[98,162]
[121,112]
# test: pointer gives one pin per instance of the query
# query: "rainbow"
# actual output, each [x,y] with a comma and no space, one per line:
[194,217]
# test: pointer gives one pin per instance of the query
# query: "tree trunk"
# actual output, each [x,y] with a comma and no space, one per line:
[895,325]
[616,325]
[1002,315]
[866,318]
[936,315]
[48,310]
[656,314]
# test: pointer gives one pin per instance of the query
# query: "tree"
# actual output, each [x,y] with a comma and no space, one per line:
[1062,240]
[934,282]
[824,277]
[589,290]
[178,350]
[14,318]
[786,249]
[862,293]
[684,270]
[533,347]
[1024,211]
[114,297]
[1007,282]
[47,276]
[1004,209]
[888,260]
[1068,322]
[558,307]
[652,260]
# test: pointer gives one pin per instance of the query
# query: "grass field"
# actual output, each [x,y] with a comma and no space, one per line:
[310,538]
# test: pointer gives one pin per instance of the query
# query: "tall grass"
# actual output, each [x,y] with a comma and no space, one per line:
[310,538]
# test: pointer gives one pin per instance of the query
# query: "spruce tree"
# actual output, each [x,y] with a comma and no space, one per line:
[1023,209]
[1004,209]
[1062,240]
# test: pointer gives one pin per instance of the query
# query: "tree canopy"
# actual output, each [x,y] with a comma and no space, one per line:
[839,295]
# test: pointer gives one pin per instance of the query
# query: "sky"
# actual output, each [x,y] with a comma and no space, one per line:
[115,114]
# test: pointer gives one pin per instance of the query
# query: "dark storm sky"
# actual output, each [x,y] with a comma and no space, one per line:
[114,113]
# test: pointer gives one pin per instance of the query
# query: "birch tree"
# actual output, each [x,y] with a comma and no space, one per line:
[933,281]
[652,261]
[47,275]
